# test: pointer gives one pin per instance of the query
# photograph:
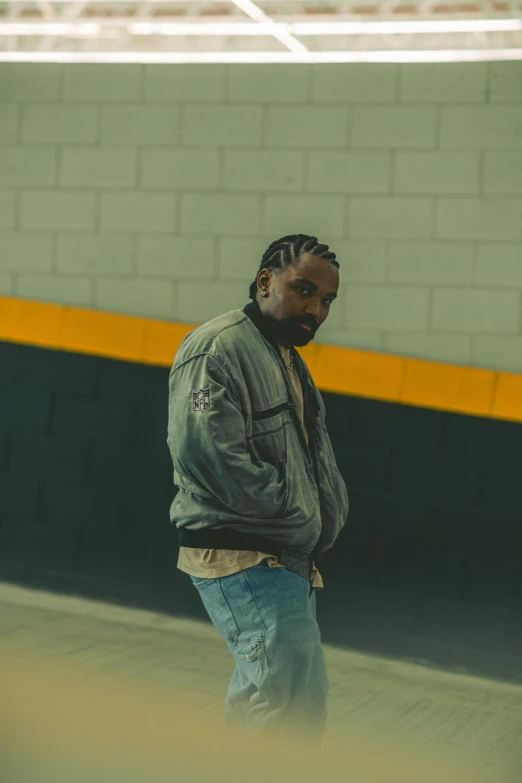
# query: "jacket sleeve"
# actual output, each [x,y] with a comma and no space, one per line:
[209,446]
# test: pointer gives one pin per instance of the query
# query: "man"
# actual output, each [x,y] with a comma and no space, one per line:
[260,495]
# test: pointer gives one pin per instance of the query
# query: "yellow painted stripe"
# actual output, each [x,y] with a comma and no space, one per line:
[448,387]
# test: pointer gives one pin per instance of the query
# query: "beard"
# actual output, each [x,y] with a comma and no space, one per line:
[288,331]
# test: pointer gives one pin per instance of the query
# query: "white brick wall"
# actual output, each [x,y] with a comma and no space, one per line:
[154,190]
[8,123]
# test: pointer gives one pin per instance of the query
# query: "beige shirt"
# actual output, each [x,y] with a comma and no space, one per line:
[213,563]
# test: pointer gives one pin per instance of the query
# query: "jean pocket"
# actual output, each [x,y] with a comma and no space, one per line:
[251,651]
[199,582]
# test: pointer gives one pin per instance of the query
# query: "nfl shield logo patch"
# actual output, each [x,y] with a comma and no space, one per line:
[201,400]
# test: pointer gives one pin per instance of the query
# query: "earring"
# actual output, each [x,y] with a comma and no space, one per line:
[264,293]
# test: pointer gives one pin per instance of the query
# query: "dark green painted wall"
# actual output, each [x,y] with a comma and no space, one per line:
[429,566]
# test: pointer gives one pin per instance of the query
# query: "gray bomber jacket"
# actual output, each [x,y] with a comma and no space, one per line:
[247,478]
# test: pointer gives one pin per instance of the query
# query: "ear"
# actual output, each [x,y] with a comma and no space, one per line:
[264,276]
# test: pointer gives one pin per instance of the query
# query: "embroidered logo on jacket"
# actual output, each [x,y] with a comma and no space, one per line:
[201,400]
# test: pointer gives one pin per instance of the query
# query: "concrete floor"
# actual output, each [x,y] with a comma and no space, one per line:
[93,691]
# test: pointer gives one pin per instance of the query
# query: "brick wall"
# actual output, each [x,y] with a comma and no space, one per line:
[154,190]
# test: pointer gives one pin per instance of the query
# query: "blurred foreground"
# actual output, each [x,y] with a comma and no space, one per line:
[95,692]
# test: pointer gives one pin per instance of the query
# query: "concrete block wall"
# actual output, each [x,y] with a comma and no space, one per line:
[154,190]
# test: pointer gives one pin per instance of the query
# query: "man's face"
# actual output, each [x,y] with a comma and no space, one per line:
[301,294]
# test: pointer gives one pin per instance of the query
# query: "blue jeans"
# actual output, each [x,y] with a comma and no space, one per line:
[268,620]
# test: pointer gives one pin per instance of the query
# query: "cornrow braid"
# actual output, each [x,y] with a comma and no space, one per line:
[287,250]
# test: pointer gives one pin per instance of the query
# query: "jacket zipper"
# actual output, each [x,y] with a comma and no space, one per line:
[307,452]
[297,421]
[290,406]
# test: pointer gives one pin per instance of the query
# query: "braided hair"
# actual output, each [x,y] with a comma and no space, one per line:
[287,250]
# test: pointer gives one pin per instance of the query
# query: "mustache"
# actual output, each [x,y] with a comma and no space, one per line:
[288,322]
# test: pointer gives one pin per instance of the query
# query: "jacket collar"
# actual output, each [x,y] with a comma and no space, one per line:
[253,311]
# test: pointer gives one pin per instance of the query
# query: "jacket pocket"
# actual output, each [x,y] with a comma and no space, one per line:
[267,441]
[269,412]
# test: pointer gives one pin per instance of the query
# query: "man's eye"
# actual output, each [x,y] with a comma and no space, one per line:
[327,301]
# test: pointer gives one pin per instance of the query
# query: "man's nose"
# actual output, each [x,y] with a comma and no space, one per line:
[313,309]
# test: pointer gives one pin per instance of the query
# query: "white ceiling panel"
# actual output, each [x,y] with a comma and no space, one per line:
[261,31]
